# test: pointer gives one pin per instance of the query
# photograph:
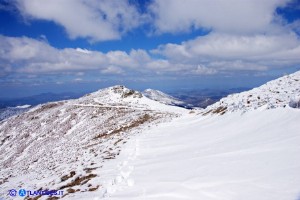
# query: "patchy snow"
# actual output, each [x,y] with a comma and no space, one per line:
[63,145]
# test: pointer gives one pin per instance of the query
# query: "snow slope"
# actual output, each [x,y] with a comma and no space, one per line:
[228,157]
[251,152]
[276,93]
[248,153]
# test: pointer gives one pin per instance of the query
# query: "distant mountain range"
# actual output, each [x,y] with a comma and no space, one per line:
[11,111]
[204,97]
[164,98]
[38,99]
[186,98]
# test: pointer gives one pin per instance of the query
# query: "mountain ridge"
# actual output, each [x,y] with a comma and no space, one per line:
[62,145]
[276,93]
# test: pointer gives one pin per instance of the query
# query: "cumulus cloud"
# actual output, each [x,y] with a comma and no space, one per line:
[112,70]
[29,56]
[26,55]
[206,55]
[93,19]
[4,69]
[243,35]
[110,19]
[231,46]
[201,69]
[295,25]
[33,56]
[231,16]
[236,52]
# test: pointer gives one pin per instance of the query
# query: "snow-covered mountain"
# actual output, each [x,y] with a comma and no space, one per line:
[118,144]
[281,92]
[251,152]
[63,145]
[164,98]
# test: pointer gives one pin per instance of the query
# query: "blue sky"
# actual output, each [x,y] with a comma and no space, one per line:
[84,45]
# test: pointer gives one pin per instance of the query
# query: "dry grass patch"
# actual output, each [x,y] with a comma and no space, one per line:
[220,110]
[66,177]
[71,190]
[119,140]
[89,169]
[48,106]
[79,181]
[135,123]
[93,189]
[207,112]
[52,198]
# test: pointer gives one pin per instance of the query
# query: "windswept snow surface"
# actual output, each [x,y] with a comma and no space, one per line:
[254,156]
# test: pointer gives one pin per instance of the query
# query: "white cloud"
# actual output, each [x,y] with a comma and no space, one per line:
[26,55]
[78,79]
[93,19]
[295,25]
[4,69]
[230,16]
[245,35]
[112,70]
[231,46]
[236,52]
[201,69]
[109,19]
[79,73]
[236,65]
[32,56]
[211,54]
